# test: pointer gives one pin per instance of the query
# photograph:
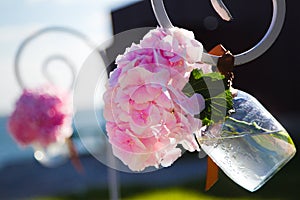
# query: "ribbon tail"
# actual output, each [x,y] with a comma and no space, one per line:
[74,156]
[212,174]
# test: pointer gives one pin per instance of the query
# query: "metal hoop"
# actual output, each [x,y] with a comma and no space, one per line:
[63,59]
[58,57]
[278,17]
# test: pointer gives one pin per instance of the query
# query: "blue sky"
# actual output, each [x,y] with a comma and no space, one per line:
[20,18]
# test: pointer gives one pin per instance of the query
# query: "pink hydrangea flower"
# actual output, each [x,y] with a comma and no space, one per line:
[41,117]
[147,114]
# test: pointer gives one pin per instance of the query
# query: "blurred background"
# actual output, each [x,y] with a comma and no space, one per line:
[272,79]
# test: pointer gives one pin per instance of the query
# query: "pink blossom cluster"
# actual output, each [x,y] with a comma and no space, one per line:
[148,116]
[41,117]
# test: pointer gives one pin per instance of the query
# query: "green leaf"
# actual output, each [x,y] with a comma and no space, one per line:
[215,90]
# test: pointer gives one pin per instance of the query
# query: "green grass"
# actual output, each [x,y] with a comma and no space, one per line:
[163,194]
[177,194]
[283,186]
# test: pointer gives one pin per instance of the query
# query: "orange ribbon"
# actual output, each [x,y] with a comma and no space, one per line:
[74,156]
[212,173]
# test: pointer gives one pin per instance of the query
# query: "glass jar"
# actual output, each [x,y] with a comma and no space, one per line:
[250,146]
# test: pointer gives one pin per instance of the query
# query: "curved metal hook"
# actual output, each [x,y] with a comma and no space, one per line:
[59,57]
[221,9]
[242,58]
[62,59]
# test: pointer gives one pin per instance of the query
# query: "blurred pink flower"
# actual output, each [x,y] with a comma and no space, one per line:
[41,117]
[147,114]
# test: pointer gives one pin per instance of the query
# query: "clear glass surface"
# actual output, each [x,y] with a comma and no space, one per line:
[250,146]
[53,155]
